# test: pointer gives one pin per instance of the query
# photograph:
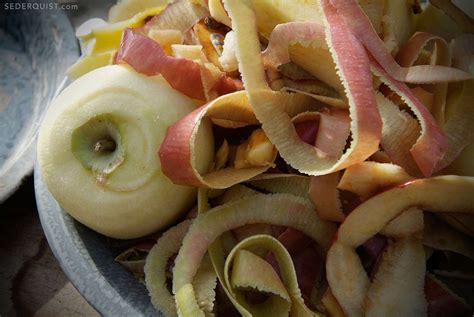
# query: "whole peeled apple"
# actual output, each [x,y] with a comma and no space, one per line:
[97,152]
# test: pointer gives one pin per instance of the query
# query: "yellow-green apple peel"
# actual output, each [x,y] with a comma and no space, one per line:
[97,152]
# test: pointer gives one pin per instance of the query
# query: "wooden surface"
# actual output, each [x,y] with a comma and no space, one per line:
[31,281]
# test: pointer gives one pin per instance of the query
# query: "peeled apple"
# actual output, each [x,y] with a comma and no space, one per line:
[97,152]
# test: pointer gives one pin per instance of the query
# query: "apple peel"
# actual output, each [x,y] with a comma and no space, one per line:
[156,267]
[398,286]
[282,183]
[284,35]
[440,236]
[345,273]
[360,26]
[179,150]
[268,105]
[431,145]
[276,209]
[399,133]
[147,57]
[325,197]
[248,265]
[369,178]
[180,15]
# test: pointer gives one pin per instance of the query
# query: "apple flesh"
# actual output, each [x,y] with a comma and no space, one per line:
[97,152]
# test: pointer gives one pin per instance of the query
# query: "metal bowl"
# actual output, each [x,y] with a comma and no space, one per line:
[89,263]
[36,48]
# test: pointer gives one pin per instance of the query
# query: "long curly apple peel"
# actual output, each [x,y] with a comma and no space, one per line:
[408,55]
[287,287]
[179,150]
[359,24]
[399,133]
[431,145]
[366,123]
[437,194]
[155,267]
[276,209]
[147,57]
[284,35]
[156,270]
[306,35]
[368,178]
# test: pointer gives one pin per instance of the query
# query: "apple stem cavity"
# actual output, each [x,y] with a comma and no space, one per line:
[97,144]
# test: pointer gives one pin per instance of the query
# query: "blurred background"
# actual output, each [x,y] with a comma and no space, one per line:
[37,44]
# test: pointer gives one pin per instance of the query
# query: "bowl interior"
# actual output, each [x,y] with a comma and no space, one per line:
[36,48]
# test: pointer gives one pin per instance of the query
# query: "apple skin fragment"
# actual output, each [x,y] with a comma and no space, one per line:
[179,15]
[399,133]
[369,178]
[325,197]
[287,290]
[409,223]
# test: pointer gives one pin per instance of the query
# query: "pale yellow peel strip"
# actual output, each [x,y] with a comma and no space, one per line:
[399,133]
[244,270]
[156,265]
[288,274]
[367,178]
[278,209]
[155,273]
[283,183]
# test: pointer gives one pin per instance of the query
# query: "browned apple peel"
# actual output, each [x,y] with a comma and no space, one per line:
[346,276]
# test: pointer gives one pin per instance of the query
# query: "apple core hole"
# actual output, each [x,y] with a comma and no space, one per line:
[105,145]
